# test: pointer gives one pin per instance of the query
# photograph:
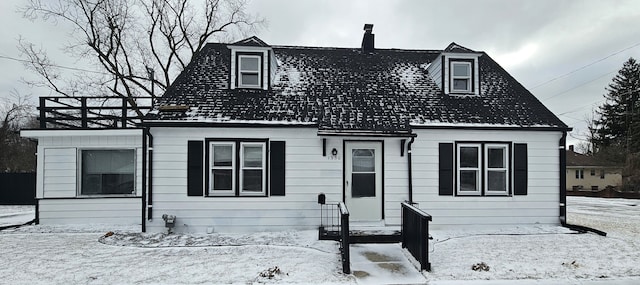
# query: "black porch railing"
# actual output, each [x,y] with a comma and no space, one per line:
[415,234]
[92,112]
[344,238]
[334,225]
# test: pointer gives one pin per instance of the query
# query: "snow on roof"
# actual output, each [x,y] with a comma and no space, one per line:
[388,90]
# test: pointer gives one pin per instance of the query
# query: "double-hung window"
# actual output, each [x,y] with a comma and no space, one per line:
[249,71]
[461,79]
[222,168]
[579,173]
[482,169]
[469,169]
[252,169]
[237,168]
[496,170]
[107,172]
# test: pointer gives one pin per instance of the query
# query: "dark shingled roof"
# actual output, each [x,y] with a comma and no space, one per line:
[343,89]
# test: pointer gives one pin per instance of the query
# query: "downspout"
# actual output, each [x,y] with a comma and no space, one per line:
[145,174]
[410,171]
[150,179]
[563,178]
[563,191]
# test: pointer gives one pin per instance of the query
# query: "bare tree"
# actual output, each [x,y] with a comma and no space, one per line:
[137,45]
[16,153]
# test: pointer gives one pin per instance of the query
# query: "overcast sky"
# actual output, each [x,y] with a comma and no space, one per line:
[536,41]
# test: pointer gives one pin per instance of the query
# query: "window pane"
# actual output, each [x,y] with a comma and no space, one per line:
[222,155]
[497,181]
[222,179]
[461,84]
[363,185]
[252,180]
[461,69]
[363,160]
[496,158]
[107,172]
[249,63]
[469,157]
[252,156]
[249,79]
[468,180]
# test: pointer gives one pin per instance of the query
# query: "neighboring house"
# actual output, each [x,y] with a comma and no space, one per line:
[584,173]
[249,134]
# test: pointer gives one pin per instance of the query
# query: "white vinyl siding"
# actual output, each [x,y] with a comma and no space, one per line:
[116,211]
[59,176]
[307,173]
[540,205]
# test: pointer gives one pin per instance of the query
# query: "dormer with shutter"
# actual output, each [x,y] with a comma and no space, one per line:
[252,64]
[456,71]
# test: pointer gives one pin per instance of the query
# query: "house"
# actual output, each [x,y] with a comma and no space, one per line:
[585,173]
[250,134]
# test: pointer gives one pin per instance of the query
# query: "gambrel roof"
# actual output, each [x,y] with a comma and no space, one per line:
[346,90]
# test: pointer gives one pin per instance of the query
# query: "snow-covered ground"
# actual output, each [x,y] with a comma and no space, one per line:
[16,215]
[524,255]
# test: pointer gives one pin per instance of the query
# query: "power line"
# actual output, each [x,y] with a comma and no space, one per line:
[580,85]
[580,108]
[583,67]
[54,65]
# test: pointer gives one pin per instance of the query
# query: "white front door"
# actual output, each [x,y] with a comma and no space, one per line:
[363,180]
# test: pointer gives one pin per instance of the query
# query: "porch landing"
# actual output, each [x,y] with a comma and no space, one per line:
[364,234]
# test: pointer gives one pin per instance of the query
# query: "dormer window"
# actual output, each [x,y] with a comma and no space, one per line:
[249,71]
[461,77]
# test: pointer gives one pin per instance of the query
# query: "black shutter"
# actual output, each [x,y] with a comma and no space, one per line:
[445,158]
[520,169]
[277,169]
[195,159]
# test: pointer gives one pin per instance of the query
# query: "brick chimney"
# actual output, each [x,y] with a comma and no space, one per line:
[368,39]
[571,147]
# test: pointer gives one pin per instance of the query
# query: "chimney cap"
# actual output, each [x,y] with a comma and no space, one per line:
[368,27]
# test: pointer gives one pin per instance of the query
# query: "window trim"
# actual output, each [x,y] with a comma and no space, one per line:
[236,167]
[579,173]
[263,167]
[240,71]
[506,167]
[452,76]
[79,170]
[478,191]
[482,172]
[211,167]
